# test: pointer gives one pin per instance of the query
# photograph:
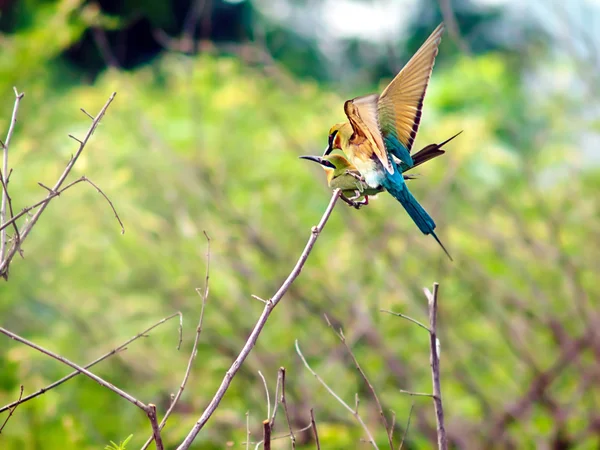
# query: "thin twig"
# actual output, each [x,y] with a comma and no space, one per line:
[5,174]
[285,408]
[314,428]
[407,426]
[87,113]
[65,361]
[10,209]
[407,318]
[12,410]
[280,374]
[432,299]
[266,435]
[109,202]
[155,429]
[389,431]
[354,412]
[93,363]
[282,436]
[262,320]
[16,245]
[53,194]
[247,430]
[267,393]
[416,394]
[204,296]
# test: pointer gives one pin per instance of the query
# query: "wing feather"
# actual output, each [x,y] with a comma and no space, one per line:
[400,105]
[362,113]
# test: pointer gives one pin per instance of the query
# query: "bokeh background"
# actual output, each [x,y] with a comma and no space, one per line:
[215,101]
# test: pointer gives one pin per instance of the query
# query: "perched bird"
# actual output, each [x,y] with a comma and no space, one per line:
[341,174]
[381,130]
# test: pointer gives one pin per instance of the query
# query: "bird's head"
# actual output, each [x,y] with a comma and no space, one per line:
[339,135]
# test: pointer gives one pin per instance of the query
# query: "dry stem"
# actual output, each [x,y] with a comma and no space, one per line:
[262,320]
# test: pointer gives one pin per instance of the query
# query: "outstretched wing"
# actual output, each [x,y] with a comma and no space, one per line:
[362,114]
[399,106]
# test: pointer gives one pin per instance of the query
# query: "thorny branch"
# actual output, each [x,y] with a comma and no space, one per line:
[16,244]
[262,320]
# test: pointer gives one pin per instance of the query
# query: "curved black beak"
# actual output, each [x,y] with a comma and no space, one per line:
[328,150]
[318,159]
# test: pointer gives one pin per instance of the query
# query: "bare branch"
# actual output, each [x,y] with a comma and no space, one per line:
[10,209]
[267,393]
[65,361]
[280,375]
[314,428]
[354,412]
[407,318]
[285,408]
[5,175]
[282,436]
[262,320]
[389,431]
[416,394]
[14,248]
[155,429]
[407,426]
[93,363]
[266,435]
[87,113]
[109,202]
[247,430]
[12,410]
[75,139]
[204,296]
[432,300]
[53,194]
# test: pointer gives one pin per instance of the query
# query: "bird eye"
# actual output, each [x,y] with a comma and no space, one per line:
[328,164]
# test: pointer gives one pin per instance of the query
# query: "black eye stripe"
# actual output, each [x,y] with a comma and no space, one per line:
[328,164]
[332,137]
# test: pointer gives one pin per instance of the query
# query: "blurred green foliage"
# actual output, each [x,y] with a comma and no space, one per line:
[210,143]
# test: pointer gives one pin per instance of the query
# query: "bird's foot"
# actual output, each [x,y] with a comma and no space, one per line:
[358,176]
[354,200]
[351,202]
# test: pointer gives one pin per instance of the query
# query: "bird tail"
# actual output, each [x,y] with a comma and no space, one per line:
[417,213]
[429,152]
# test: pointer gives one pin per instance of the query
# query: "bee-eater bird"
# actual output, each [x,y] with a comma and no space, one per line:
[341,174]
[381,127]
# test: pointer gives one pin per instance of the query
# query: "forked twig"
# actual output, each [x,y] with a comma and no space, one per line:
[12,410]
[16,245]
[93,363]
